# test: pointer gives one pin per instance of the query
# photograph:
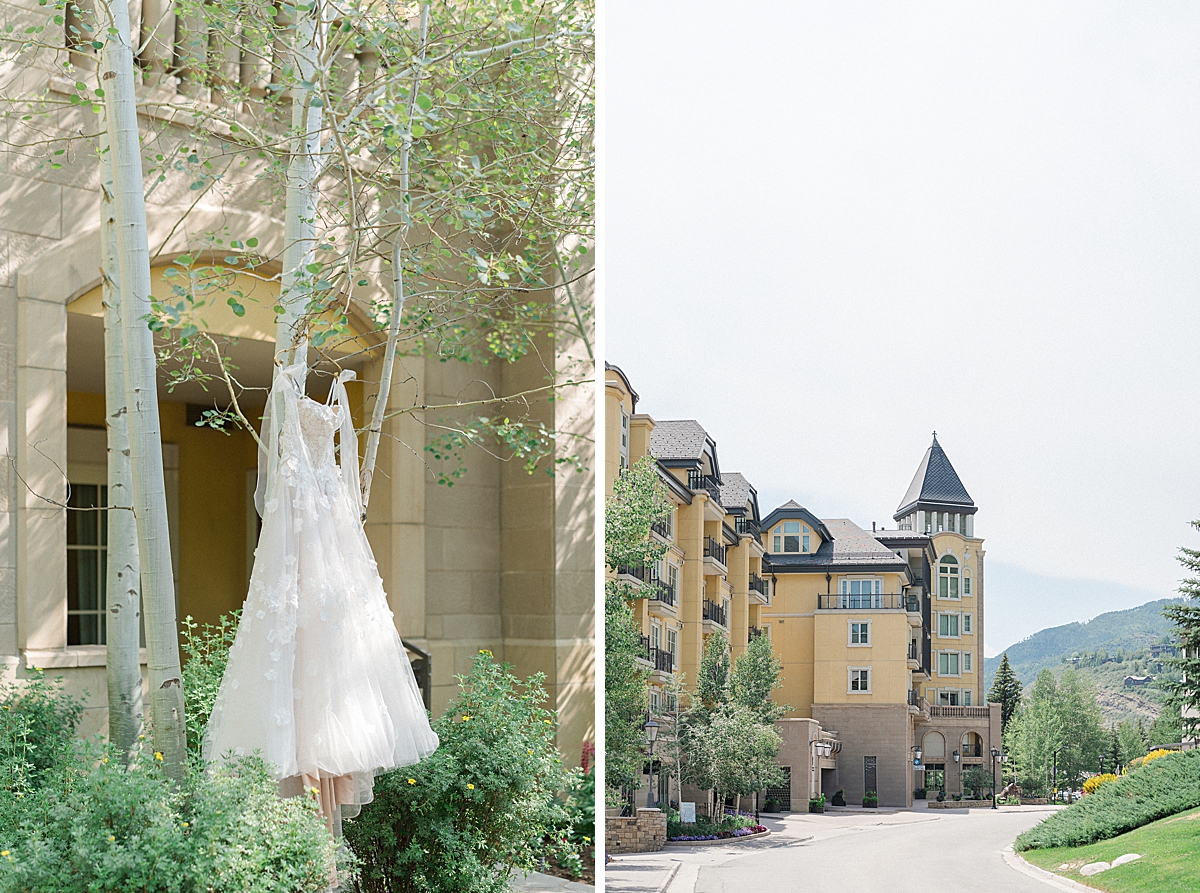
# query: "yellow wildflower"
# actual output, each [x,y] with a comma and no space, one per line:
[314,791]
[547,722]
[185,824]
[470,787]
[412,781]
[105,760]
[465,718]
[111,838]
[3,852]
[485,652]
[158,755]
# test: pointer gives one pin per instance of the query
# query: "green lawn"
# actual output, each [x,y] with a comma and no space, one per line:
[1170,862]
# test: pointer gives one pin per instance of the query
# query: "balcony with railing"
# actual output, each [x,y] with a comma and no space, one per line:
[639,571]
[747,526]
[714,550]
[914,652]
[662,528]
[759,585]
[716,613]
[662,660]
[948,712]
[697,480]
[644,650]
[755,632]
[867,601]
[663,593]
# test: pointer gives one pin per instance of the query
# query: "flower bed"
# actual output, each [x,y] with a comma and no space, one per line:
[720,835]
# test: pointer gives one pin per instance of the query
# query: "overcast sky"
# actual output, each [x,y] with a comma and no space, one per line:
[832,228]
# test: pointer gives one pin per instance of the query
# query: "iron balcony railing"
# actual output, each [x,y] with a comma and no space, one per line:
[759,585]
[876,601]
[700,481]
[912,651]
[662,660]
[644,650]
[755,632]
[714,550]
[912,603]
[662,528]
[633,570]
[915,700]
[663,593]
[716,613]
[747,526]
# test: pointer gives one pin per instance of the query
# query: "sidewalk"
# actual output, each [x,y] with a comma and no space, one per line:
[548,883]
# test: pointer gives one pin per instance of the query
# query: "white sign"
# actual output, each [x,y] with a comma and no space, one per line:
[687,813]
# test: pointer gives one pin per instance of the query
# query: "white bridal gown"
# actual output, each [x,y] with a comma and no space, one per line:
[318,682]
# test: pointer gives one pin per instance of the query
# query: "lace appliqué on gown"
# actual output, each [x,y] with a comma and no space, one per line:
[318,681]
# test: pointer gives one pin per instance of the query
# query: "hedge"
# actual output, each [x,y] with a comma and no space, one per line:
[1150,792]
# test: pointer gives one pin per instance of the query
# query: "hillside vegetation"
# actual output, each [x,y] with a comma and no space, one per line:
[1104,650]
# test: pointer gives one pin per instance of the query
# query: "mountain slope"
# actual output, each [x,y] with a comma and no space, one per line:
[1119,636]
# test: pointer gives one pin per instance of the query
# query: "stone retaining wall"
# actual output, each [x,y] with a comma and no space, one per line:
[644,834]
[959,804]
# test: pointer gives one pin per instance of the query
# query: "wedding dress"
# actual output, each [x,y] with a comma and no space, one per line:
[318,682]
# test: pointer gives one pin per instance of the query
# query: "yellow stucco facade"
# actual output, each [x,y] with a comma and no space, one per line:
[879,633]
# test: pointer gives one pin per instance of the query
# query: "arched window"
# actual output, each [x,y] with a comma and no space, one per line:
[972,744]
[948,577]
[934,746]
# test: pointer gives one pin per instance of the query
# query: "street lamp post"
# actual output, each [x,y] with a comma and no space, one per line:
[917,753]
[995,763]
[651,728]
[1055,773]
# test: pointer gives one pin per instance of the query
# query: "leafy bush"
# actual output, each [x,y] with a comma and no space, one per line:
[100,826]
[206,653]
[37,726]
[579,803]
[705,828]
[1155,754]
[1092,784]
[1151,791]
[480,806]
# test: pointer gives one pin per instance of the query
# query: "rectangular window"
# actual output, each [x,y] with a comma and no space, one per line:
[655,636]
[948,697]
[966,696]
[966,661]
[966,624]
[948,626]
[87,566]
[860,633]
[804,542]
[673,580]
[655,701]
[624,439]
[860,679]
[671,639]
[948,663]
[966,584]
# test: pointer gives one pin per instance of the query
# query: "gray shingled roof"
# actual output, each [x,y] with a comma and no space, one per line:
[678,439]
[851,546]
[735,490]
[935,481]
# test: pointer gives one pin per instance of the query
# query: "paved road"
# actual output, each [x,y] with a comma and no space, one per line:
[862,850]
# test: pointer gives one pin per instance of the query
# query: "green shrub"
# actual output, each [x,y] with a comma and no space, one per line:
[704,825]
[205,655]
[1152,791]
[480,806]
[100,826]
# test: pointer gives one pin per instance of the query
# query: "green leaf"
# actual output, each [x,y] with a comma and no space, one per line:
[252,243]
[315,268]
[424,101]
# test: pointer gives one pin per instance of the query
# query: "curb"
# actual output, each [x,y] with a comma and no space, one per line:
[1046,877]
[670,877]
[743,839]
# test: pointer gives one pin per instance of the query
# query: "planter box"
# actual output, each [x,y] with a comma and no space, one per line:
[814,808]
[759,836]
[960,804]
[872,805]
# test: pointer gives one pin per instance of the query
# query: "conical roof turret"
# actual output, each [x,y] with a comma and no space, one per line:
[936,486]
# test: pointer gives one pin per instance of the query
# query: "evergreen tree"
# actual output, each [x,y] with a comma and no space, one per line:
[1186,617]
[755,674]
[1006,691]
[1114,747]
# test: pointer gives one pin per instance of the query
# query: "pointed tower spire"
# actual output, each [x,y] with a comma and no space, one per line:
[936,486]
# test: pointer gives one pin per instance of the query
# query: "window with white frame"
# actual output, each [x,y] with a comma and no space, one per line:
[624,439]
[860,632]
[859,680]
[949,697]
[948,625]
[966,661]
[966,582]
[949,663]
[655,700]
[656,636]
[860,593]
[672,580]
[791,536]
[966,624]
[87,553]
[672,638]
[966,696]
[948,577]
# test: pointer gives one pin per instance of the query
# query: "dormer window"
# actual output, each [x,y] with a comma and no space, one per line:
[791,536]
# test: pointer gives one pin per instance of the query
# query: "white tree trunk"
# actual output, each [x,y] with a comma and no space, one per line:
[123,595]
[303,194]
[141,394]
[389,357]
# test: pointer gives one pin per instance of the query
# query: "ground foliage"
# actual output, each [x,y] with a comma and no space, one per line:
[74,818]
[1186,690]
[479,807]
[1152,791]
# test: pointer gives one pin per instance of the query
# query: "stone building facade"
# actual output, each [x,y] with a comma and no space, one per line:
[503,560]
